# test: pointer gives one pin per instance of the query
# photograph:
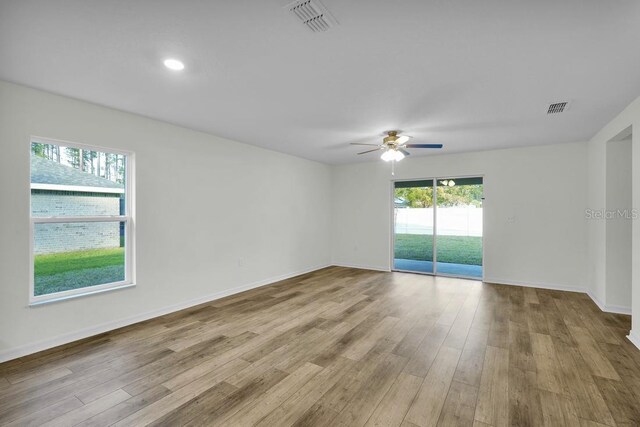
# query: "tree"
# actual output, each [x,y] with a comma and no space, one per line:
[38,149]
[120,168]
[105,165]
[416,197]
[46,151]
[73,155]
[458,195]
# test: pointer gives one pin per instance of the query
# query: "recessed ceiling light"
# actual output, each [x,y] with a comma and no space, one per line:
[173,64]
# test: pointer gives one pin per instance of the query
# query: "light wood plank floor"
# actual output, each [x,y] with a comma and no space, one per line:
[344,347]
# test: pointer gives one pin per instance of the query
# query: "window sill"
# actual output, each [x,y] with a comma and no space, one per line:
[80,295]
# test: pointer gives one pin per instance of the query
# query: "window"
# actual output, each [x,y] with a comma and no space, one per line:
[81,223]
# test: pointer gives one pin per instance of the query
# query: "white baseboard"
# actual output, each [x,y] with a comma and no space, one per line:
[109,326]
[534,285]
[634,338]
[609,308]
[25,350]
[361,267]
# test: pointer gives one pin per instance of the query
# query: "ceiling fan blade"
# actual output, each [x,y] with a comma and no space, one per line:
[371,151]
[402,139]
[361,143]
[403,151]
[423,146]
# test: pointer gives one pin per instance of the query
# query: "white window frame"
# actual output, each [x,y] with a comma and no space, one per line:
[127,218]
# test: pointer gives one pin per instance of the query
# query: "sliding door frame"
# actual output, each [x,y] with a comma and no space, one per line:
[434,181]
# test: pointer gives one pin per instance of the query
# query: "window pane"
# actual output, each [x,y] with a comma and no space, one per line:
[68,181]
[459,227]
[413,226]
[77,255]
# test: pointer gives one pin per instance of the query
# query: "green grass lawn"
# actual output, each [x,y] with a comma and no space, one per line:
[453,249]
[71,270]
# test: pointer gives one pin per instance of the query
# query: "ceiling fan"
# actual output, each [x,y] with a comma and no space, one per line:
[394,146]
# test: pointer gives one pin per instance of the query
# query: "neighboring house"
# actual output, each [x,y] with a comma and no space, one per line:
[60,190]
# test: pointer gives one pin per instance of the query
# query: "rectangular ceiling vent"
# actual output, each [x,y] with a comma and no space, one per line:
[312,14]
[558,107]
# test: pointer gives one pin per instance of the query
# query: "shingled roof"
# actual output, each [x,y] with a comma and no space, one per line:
[46,172]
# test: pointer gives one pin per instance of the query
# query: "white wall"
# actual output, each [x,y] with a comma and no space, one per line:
[190,232]
[627,121]
[304,215]
[619,224]
[534,219]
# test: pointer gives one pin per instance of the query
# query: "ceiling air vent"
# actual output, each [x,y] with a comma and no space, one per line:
[557,107]
[312,14]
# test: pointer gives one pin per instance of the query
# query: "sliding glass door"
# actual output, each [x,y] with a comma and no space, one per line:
[413,226]
[459,227]
[438,226]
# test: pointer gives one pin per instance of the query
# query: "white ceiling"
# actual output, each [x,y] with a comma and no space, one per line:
[470,74]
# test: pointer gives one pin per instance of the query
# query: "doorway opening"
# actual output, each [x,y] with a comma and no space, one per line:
[437,226]
[619,218]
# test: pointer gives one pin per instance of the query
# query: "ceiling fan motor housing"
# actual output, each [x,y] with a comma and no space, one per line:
[391,139]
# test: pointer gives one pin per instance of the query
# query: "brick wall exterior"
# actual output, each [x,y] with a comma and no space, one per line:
[67,203]
[61,237]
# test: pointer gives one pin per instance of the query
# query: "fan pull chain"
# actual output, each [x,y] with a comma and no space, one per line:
[393,167]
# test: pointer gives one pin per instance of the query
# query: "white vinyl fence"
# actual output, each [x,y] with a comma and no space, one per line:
[455,221]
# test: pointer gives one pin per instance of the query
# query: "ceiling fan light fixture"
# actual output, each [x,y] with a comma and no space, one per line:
[392,154]
[387,156]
